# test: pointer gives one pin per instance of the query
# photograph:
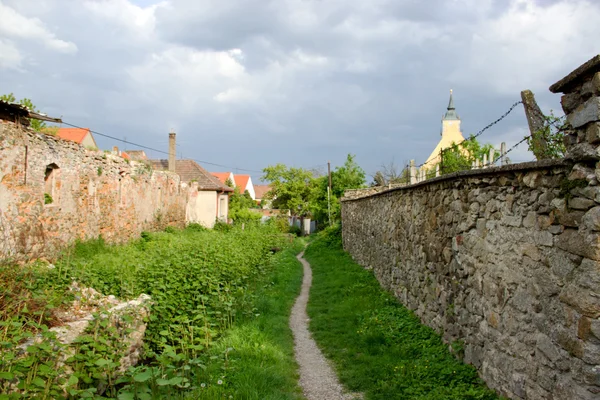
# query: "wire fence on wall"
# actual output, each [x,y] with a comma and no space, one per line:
[459,157]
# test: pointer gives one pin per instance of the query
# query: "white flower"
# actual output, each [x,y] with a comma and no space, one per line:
[203,384]
[219,382]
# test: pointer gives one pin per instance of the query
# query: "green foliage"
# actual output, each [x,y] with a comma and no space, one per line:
[48,198]
[200,281]
[37,125]
[459,157]
[348,176]
[99,171]
[548,142]
[240,206]
[290,188]
[379,347]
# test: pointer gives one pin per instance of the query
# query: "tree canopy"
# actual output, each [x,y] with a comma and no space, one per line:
[290,188]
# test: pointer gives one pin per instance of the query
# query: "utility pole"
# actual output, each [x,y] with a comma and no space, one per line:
[329,191]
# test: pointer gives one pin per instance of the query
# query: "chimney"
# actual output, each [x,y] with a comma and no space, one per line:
[115,150]
[172,151]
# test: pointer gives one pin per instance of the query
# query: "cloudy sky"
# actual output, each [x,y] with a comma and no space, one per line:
[249,83]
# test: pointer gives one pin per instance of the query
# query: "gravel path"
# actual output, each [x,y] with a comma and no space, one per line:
[317,379]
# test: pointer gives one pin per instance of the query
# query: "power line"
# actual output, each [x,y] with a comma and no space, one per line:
[158,151]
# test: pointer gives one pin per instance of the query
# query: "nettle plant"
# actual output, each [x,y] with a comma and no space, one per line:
[200,282]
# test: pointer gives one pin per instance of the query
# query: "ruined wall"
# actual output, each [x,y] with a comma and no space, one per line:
[504,260]
[91,193]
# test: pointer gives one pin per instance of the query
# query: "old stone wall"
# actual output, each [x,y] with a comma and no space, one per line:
[505,261]
[53,192]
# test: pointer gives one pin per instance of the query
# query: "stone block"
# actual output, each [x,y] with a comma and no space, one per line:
[533,179]
[570,101]
[591,219]
[512,220]
[581,203]
[585,113]
[543,238]
[592,133]
[582,151]
[569,219]
[582,292]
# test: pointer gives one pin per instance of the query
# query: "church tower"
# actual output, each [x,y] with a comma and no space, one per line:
[450,134]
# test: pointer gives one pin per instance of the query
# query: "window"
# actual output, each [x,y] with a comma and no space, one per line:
[50,184]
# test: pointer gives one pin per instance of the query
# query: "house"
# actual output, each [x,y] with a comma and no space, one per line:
[450,134]
[244,182]
[137,155]
[260,191]
[211,201]
[83,136]
[224,176]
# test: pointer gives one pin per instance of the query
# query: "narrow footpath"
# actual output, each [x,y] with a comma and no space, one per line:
[317,379]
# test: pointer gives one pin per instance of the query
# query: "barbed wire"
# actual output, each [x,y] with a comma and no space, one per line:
[509,150]
[476,135]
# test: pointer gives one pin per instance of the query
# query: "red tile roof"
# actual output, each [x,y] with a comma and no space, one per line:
[73,134]
[261,190]
[125,155]
[241,181]
[222,176]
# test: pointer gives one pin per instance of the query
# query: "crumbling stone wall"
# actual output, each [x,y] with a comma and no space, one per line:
[53,192]
[505,261]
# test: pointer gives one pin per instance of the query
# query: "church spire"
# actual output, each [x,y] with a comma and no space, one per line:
[451,113]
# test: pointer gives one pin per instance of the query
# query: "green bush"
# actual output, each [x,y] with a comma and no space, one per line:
[295,230]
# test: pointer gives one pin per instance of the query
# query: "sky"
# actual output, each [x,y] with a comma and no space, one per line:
[251,83]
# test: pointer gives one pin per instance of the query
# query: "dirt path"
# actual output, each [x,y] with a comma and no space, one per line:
[317,379]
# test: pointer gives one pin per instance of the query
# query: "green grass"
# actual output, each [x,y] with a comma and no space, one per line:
[260,349]
[379,347]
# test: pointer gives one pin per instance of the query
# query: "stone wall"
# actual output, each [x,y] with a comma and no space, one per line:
[504,260]
[53,192]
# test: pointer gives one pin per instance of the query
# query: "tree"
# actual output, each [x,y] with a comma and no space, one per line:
[290,188]
[37,125]
[348,176]
[391,174]
[459,157]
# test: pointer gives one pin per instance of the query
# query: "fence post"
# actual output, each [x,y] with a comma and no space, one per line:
[503,154]
[437,170]
[485,161]
[491,157]
[413,172]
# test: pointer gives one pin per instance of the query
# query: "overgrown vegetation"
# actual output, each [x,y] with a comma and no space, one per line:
[202,284]
[548,142]
[461,156]
[378,346]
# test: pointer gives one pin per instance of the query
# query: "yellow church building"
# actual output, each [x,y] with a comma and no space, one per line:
[450,134]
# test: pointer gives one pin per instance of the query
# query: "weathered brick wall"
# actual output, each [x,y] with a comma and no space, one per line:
[93,194]
[505,260]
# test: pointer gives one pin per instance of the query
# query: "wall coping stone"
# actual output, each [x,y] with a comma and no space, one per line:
[474,173]
[571,81]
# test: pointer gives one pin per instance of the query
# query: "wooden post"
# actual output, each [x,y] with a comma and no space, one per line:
[437,170]
[413,172]
[503,154]
[491,157]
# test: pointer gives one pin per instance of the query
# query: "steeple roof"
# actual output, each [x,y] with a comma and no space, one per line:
[451,114]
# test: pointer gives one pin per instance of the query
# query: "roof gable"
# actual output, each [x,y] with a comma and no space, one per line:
[242,182]
[261,190]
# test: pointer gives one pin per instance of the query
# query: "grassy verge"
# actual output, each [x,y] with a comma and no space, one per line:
[256,356]
[377,345]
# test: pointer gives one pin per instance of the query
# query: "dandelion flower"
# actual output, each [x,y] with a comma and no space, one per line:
[219,382]
[203,384]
